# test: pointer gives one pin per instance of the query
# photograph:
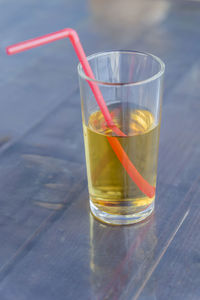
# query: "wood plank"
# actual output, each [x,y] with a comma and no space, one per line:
[177,276]
[86,259]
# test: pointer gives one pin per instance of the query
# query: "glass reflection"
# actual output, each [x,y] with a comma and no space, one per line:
[120,259]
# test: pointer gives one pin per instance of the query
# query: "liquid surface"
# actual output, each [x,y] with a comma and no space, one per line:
[110,187]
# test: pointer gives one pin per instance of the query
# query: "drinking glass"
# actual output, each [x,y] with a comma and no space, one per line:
[131,85]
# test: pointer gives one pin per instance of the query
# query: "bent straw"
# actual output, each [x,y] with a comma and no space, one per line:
[129,167]
[142,184]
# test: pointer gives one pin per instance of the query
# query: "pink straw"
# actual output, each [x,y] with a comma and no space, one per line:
[142,184]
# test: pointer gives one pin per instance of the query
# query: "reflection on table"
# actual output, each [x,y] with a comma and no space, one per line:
[118,254]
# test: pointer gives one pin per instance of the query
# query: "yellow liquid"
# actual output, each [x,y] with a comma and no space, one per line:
[110,187]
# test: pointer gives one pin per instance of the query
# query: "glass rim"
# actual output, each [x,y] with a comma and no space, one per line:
[99,82]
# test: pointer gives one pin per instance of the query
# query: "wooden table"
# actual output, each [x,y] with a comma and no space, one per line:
[50,245]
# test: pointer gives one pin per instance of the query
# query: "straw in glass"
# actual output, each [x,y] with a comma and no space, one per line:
[142,184]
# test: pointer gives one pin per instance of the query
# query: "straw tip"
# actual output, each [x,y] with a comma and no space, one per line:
[152,192]
[8,51]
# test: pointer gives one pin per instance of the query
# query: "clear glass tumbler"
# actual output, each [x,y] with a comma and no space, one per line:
[131,85]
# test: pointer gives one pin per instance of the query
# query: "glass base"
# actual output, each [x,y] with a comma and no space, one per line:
[121,219]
